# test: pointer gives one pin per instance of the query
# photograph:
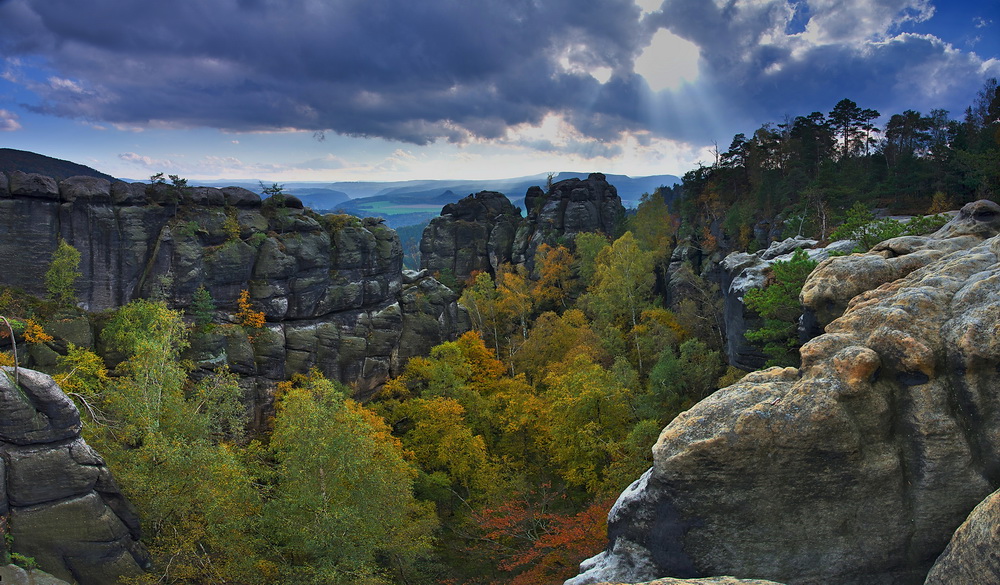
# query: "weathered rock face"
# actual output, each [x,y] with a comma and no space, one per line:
[857,467]
[474,234]
[973,555]
[572,206]
[834,284]
[329,285]
[62,506]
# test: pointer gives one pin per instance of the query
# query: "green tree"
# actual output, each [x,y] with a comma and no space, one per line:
[162,438]
[202,308]
[343,509]
[589,416]
[623,281]
[778,304]
[588,246]
[63,272]
[149,391]
[679,379]
[622,290]
[861,225]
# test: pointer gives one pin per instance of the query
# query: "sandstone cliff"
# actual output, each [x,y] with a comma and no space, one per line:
[331,286]
[857,467]
[58,501]
[484,230]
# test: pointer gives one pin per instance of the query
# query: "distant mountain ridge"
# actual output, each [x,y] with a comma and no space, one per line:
[30,162]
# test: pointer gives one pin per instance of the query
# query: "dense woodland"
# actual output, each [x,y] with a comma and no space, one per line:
[495,458]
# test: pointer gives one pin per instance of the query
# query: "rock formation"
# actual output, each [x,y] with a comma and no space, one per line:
[854,469]
[572,206]
[59,502]
[331,286]
[834,284]
[973,555]
[484,230]
[473,235]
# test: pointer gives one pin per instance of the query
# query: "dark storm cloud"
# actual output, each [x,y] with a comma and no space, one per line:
[413,71]
[420,71]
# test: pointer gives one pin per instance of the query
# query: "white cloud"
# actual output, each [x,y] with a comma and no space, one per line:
[648,6]
[854,21]
[147,161]
[8,121]
[669,61]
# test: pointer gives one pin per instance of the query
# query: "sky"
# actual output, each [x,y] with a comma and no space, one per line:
[385,90]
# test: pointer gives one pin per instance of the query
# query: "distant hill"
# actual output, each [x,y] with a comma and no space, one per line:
[319,198]
[30,162]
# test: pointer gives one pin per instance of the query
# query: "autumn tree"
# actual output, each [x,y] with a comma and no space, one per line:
[590,415]
[555,283]
[553,337]
[488,314]
[516,300]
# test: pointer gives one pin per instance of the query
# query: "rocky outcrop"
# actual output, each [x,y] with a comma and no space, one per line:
[571,206]
[60,504]
[483,231]
[834,284]
[973,555]
[330,285]
[473,235]
[854,469]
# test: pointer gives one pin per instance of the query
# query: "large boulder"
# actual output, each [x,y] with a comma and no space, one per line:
[854,469]
[973,555]
[14,575]
[62,506]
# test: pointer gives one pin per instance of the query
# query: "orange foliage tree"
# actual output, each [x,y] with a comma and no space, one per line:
[554,266]
[535,542]
[246,314]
